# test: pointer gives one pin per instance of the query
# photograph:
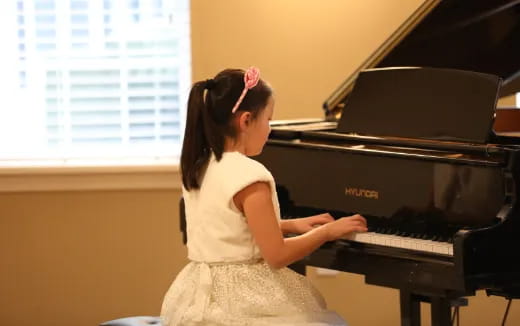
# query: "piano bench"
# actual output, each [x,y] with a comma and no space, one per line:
[134,321]
[299,267]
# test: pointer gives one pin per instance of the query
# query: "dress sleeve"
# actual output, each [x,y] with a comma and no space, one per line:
[245,172]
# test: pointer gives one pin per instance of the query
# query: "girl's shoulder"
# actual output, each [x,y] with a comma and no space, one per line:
[239,162]
[236,170]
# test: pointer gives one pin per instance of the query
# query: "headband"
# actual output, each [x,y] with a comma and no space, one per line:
[251,78]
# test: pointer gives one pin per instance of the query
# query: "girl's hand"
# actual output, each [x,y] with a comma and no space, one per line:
[345,225]
[305,224]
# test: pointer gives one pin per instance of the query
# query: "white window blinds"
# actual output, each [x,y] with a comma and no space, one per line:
[94,78]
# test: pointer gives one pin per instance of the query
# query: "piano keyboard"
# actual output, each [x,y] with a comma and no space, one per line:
[395,241]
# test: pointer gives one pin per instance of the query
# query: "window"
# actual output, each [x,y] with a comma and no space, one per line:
[94,78]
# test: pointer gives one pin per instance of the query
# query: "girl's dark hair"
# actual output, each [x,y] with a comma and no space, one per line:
[209,118]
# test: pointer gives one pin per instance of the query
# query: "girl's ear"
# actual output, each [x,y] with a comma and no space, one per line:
[244,121]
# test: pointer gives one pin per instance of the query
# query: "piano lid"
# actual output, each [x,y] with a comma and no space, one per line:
[474,35]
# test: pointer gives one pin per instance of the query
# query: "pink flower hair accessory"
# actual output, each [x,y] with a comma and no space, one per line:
[251,78]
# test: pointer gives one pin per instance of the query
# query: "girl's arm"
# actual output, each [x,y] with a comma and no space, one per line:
[304,224]
[256,204]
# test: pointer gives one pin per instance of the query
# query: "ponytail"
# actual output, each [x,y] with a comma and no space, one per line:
[208,120]
[195,150]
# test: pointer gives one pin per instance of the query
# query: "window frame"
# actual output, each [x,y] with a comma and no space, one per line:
[90,176]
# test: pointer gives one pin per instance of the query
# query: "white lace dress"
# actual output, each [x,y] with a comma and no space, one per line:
[227,282]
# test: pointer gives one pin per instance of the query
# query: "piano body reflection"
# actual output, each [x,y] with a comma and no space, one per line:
[408,142]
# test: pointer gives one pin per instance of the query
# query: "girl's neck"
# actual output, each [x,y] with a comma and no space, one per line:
[234,146]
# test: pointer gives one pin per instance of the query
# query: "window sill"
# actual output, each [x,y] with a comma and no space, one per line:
[89,176]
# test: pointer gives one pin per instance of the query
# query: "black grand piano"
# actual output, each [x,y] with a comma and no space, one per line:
[408,141]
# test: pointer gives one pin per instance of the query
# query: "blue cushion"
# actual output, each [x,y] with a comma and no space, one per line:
[134,321]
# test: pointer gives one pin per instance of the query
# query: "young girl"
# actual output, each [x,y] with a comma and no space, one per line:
[237,274]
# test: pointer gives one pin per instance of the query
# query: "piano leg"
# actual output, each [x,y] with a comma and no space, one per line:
[410,309]
[441,311]
[440,308]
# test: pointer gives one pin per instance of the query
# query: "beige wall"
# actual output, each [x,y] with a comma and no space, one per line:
[509,101]
[305,49]
[79,258]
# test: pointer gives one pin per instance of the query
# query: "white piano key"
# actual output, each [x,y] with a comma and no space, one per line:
[394,241]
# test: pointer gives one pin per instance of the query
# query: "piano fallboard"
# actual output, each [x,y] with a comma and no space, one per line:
[403,185]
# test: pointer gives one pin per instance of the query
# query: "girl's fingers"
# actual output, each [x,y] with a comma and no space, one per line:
[358,217]
[361,229]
